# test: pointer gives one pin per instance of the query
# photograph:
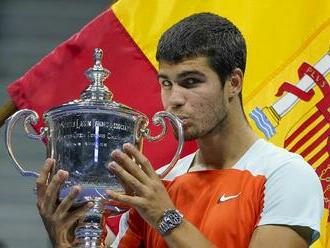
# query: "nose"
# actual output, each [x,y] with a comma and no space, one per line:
[174,98]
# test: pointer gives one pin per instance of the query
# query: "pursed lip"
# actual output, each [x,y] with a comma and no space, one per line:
[183,118]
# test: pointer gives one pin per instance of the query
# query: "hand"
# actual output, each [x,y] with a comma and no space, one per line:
[58,219]
[150,197]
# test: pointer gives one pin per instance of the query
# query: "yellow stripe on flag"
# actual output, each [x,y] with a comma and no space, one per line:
[274,30]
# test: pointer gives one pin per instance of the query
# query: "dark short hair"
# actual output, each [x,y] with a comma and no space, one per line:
[205,34]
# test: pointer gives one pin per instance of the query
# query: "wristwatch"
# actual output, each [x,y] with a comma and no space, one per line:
[171,219]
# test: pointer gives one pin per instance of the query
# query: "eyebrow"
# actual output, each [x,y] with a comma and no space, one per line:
[182,74]
[162,76]
[189,73]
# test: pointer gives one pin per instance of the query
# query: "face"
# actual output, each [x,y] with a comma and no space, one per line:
[193,91]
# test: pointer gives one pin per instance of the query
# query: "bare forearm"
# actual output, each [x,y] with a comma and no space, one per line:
[185,236]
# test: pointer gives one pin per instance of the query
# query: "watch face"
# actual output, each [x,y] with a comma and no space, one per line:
[175,218]
[171,219]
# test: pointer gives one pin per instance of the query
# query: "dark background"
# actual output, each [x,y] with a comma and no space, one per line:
[30,29]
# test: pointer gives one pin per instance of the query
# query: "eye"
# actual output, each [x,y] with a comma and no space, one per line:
[166,83]
[190,82]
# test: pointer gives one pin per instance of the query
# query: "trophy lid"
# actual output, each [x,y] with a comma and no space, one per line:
[96,95]
[97,91]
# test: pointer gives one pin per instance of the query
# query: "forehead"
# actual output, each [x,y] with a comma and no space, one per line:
[194,64]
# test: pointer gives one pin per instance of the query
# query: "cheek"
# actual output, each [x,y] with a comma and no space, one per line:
[203,113]
[205,104]
[163,98]
[200,108]
[208,110]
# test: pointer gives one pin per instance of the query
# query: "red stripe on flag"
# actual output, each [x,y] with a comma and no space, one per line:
[309,135]
[59,77]
[315,143]
[318,155]
[309,121]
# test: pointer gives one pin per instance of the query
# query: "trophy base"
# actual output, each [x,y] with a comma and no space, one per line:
[89,232]
[89,244]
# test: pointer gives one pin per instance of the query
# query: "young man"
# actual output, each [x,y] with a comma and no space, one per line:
[236,190]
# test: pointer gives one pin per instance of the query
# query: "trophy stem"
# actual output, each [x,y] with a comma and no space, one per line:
[88,233]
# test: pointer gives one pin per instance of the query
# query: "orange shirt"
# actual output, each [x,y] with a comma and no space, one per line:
[226,223]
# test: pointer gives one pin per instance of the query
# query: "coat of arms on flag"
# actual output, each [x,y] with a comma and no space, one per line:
[309,136]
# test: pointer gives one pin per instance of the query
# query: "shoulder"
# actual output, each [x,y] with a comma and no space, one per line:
[267,159]
[286,173]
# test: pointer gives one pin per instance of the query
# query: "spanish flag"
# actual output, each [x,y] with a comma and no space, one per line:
[286,85]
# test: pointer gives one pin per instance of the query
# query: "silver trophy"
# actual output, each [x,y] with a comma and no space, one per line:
[80,136]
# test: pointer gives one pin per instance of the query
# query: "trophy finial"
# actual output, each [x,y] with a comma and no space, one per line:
[97,91]
[98,55]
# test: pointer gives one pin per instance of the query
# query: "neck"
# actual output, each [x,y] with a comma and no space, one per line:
[225,145]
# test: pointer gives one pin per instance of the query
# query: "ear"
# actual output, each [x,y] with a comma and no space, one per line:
[235,82]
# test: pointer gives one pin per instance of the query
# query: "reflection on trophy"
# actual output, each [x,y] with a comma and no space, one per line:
[81,135]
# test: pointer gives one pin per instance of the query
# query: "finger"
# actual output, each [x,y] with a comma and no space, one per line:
[127,190]
[67,202]
[140,159]
[129,165]
[127,179]
[52,191]
[78,213]
[132,201]
[41,182]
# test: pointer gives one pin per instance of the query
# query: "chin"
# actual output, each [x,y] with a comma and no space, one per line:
[188,136]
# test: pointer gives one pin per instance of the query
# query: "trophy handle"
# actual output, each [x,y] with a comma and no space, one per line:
[158,119]
[30,117]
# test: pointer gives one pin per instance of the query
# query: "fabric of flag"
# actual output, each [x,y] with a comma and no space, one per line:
[285,40]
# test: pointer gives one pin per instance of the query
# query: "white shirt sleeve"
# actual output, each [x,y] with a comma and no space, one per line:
[294,197]
[123,226]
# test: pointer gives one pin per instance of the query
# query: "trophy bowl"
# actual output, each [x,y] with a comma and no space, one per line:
[80,136]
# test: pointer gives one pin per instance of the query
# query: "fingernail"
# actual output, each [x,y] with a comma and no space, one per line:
[113,165]
[130,147]
[63,175]
[108,192]
[116,153]
[49,161]
[127,145]
[75,189]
